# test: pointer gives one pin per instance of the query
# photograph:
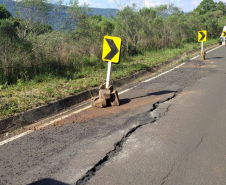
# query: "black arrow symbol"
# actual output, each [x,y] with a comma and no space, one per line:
[114,49]
[203,36]
[224,33]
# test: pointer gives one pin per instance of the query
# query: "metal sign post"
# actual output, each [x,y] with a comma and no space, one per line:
[108,75]
[111,54]
[223,35]
[201,46]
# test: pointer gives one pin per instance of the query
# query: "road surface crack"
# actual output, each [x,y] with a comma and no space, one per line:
[196,147]
[166,177]
[189,155]
[118,146]
[199,143]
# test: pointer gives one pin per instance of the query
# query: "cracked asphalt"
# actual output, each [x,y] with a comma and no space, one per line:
[186,145]
[167,131]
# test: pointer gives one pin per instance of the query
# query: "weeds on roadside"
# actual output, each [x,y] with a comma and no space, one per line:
[44,89]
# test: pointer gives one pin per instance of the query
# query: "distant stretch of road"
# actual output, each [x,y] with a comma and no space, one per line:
[169,129]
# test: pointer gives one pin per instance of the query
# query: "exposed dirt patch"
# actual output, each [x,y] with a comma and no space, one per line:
[127,104]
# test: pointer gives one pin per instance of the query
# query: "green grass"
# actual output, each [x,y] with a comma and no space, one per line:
[41,90]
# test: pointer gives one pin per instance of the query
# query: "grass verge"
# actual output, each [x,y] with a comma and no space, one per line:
[41,90]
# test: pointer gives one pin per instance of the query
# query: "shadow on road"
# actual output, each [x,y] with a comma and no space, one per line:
[155,94]
[127,100]
[214,58]
[124,101]
[48,182]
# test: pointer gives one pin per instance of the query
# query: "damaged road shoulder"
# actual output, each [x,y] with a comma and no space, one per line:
[176,81]
[143,119]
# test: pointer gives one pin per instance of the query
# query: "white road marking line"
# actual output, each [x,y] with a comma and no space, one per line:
[207,52]
[214,49]
[15,137]
[164,73]
[194,57]
[125,91]
[63,117]
[87,107]
[42,126]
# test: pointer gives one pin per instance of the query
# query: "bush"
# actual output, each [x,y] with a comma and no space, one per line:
[4,14]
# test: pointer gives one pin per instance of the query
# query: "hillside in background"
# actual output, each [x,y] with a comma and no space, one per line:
[108,12]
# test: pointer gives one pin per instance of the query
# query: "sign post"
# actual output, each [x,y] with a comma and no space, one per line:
[202,37]
[202,47]
[223,35]
[111,54]
[108,75]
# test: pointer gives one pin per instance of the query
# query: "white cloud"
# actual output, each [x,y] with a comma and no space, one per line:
[142,3]
[151,3]
[175,1]
[111,1]
[89,3]
[195,3]
[82,2]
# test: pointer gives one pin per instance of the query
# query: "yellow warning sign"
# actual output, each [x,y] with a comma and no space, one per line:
[111,49]
[224,34]
[202,36]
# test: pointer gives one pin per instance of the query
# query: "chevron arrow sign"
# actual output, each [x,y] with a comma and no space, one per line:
[224,34]
[202,36]
[111,49]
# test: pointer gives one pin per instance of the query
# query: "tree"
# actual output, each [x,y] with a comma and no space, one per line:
[221,6]
[127,25]
[206,6]
[7,29]
[166,10]
[30,12]
[4,13]
[13,50]
[107,26]
[39,28]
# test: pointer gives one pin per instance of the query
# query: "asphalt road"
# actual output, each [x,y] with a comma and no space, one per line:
[170,130]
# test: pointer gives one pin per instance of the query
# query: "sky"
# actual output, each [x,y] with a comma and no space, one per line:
[185,5]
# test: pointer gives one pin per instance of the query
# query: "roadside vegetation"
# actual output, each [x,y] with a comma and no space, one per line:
[39,64]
